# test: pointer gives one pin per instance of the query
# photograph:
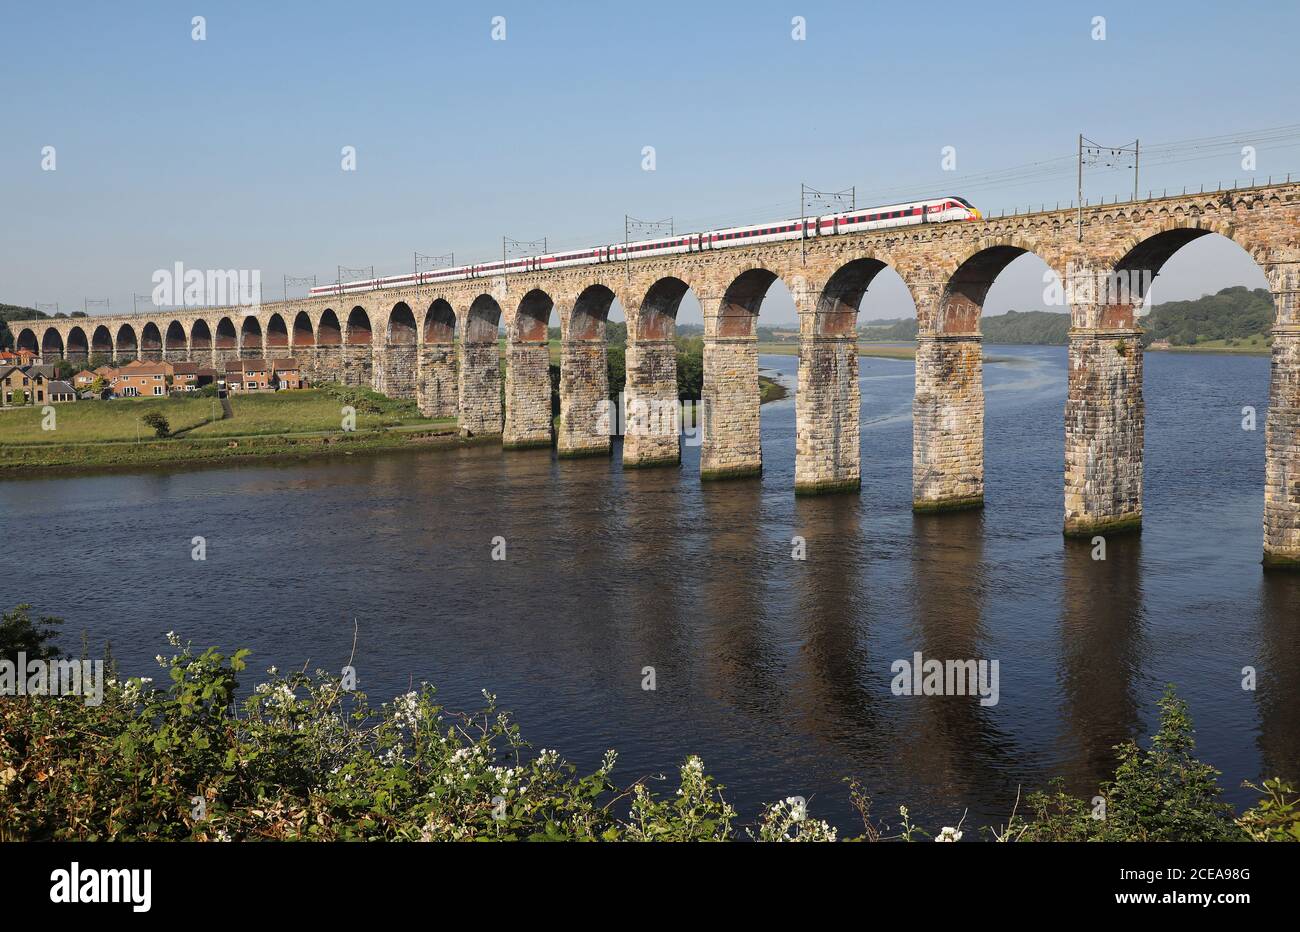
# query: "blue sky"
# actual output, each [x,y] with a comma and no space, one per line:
[226,153]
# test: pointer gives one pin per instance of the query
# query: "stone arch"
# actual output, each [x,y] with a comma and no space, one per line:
[78,345]
[200,337]
[483,320]
[304,334]
[51,343]
[127,342]
[590,313]
[401,325]
[101,342]
[227,338]
[839,301]
[26,340]
[657,319]
[174,339]
[439,322]
[1121,294]
[250,335]
[359,332]
[533,317]
[328,331]
[151,344]
[962,300]
[738,311]
[277,333]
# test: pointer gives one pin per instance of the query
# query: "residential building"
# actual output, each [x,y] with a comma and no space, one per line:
[59,392]
[188,376]
[285,374]
[20,358]
[83,380]
[13,380]
[145,380]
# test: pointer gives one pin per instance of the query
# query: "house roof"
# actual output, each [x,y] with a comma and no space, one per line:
[280,365]
[61,388]
[45,371]
[5,370]
[185,368]
[146,369]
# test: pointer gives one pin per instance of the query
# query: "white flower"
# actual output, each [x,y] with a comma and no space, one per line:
[948,834]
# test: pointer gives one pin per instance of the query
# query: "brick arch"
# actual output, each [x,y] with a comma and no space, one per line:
[328,330]
[401,327]
[482,320]
[226,336]
[439,322]
[657,317]
[277,332]
[26,339]
[101,342]
[359,332]
[200,336]
[839,299]
[151,338]
[250,333]
[532,316]
[590,313]
[174,337]
[303,332]
[51,342]
[78,346]
[127,340]
[961,302]
[738,309]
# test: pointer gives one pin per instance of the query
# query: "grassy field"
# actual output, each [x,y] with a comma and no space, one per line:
[1256,344]
[309,411]
[102,421]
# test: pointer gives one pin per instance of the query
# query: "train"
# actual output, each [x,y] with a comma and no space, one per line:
[936,210]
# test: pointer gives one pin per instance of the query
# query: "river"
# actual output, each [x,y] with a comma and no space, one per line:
[776,671]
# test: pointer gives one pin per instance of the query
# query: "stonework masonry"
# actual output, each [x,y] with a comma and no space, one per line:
[435,389]
[586,415]
[1282,442]
[947,268]
[652,434]
[731,447]
[1105,419]
[948,423]
[479,395]
[528,395]
[827,432]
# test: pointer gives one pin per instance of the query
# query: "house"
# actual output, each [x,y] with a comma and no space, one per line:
[47,371]
[145,380]
[285,374]
[20,358]
[188,376]
[14,381]
[248,375]
[106,372]
[59,392]
[83,380]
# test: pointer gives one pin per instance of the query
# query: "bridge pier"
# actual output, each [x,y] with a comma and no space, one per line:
[652,434]
[435,384]
[586,415]
[948,423]
[528,395]
[396,367]
[731,447]
[828,454]
[479,389]
[356,364]
[1105,421]
[1282,453]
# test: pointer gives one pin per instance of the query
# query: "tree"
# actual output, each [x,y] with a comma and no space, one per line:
[34,637]
[158,422]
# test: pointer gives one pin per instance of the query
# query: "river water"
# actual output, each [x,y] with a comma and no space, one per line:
[776,671]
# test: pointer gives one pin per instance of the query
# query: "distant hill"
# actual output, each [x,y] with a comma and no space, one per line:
[1030,327]
[10,312]
[1235,313]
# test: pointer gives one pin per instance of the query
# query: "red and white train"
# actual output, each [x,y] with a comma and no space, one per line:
[937,210]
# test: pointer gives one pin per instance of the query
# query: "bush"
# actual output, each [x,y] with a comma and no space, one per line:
[35,638]
[157,421]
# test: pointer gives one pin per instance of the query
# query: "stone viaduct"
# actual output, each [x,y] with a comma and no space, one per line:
[439,344]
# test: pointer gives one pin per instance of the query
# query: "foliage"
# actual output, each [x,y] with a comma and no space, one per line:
[1233,313]
[34,637]
[690,368]
[157,421]
[1162,793]
[1277,817]
[19,396]
[303,757]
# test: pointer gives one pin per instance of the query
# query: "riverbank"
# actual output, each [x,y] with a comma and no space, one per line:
[880,350]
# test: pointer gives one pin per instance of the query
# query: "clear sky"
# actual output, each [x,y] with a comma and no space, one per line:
[226,153]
